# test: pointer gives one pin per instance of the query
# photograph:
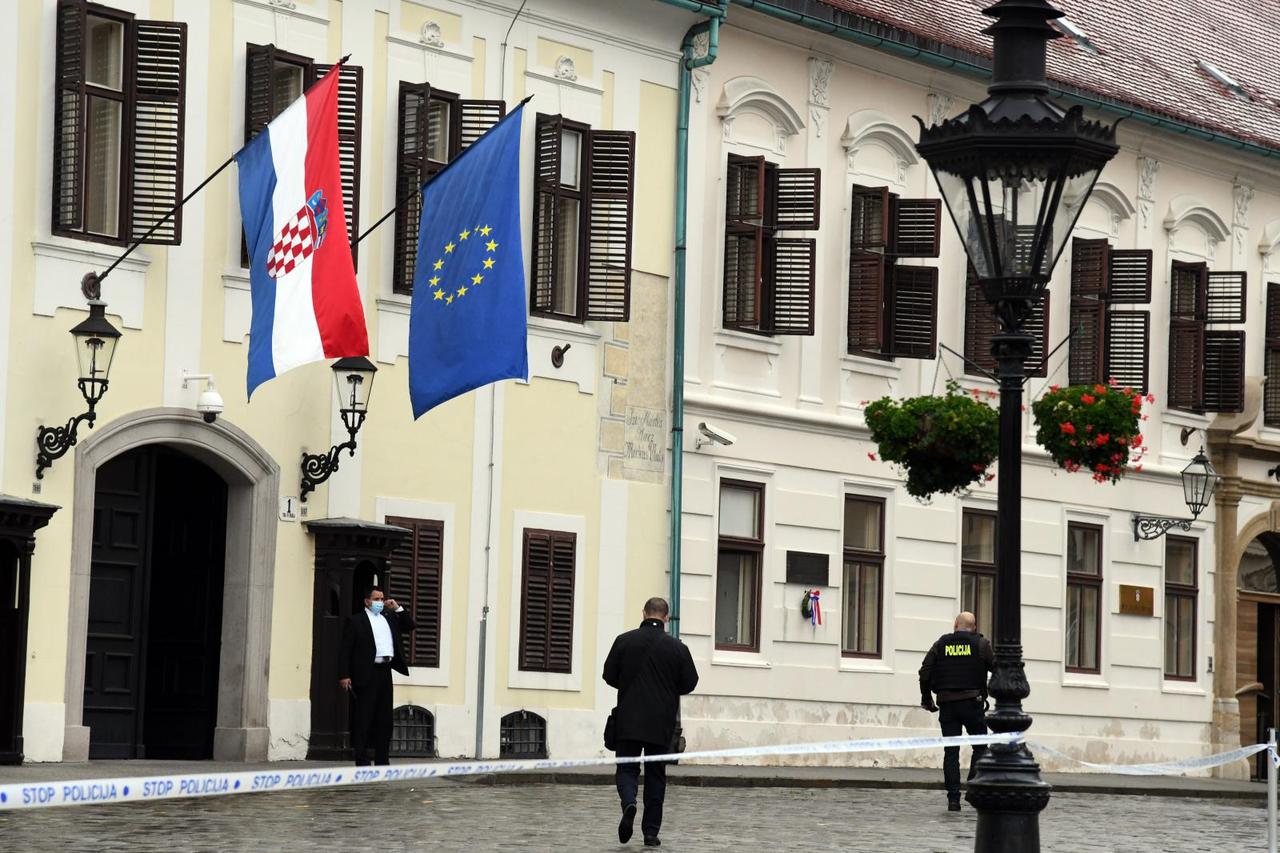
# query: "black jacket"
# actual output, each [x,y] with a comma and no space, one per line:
[956,677]
[355,655]
[651,671]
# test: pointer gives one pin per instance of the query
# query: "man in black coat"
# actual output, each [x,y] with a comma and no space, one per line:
[956,669]
[651,671]
[372,646]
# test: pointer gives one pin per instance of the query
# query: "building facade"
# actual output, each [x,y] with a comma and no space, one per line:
[803,307]
[198,599]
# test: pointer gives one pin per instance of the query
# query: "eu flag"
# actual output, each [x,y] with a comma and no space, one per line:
[467,324]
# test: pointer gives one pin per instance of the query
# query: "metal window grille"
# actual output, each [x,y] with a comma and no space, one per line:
[413,732]
[524,735]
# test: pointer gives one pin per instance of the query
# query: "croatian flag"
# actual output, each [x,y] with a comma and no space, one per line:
[306,304]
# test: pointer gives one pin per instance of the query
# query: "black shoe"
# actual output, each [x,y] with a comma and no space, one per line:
[624,825]
[953,805]
[652,841]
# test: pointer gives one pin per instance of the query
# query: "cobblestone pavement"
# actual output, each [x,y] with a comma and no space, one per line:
[448,816]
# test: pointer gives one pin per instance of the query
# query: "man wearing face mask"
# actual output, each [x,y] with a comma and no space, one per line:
[371,648]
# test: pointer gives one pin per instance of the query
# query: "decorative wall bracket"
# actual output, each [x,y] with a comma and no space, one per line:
[317,467]
[52,443]
[1155,526]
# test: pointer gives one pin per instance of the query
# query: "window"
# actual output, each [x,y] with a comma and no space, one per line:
[118,125]
[413,732]
[738,563]
[863,576]
[275,79]
[1180,592]
[434,127]
[893,308]
[1206,366]
[582,208]
[978,567]
[546,609]
[1108,340]
[980,324]
[1271,363]
[1084,596]
[523,734]
[769,280]
[415,574]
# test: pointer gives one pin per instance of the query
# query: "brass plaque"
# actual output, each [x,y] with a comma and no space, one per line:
[1137,600]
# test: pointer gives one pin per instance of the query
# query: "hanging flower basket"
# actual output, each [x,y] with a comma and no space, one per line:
[943,444]
[1097,427]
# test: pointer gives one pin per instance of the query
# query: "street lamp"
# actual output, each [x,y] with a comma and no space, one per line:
[1014,171]
[96,340]
[354,378]
[1199,481]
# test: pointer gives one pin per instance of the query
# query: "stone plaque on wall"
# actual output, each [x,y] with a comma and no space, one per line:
[1137,600]
[645,439]
[808,568]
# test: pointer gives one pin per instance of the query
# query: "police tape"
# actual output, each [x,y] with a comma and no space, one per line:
[1162,768]
[149,788]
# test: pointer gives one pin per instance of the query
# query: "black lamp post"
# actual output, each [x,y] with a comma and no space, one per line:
[354,377]
[1199,482]
[96,342]
[1015,172]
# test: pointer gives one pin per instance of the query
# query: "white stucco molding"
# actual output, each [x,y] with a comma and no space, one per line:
[752,95]
[872,127]
[1187,209]
[1269,243]
[1115,201]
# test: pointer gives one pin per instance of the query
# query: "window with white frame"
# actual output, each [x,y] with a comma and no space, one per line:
[738,566]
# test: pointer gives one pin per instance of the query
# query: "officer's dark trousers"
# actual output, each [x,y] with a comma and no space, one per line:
[967,714]
[371,717]
[655,782]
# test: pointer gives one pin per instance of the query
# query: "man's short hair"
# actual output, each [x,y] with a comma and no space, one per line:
[656,607]
[373,587]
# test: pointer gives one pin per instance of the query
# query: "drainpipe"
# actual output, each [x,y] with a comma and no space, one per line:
[687,64]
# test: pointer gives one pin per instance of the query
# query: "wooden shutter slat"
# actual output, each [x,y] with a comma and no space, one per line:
[743,261]
[1128,343]
[350,100]
[1271,388]
[476,117]
[611,158]
[411,154]
[979,325]
[869,218]
[790,264]
[157,124]
[797,203]
[1225,297]
[1186,364]
[1223,371]
[866,302]
[546,186]
[916,227]
[913,315]
[68,117]
[1129,276]
[560,615]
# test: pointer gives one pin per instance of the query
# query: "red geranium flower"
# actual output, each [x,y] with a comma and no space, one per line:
[1088,399]
[871,456]
[1067,428]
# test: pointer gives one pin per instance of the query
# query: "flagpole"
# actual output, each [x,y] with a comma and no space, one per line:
[400,202]
[98,278]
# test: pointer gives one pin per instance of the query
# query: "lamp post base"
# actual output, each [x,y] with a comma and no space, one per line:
[1009,795]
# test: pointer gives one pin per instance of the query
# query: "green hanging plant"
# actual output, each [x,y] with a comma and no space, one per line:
[1092,426]
[942,443]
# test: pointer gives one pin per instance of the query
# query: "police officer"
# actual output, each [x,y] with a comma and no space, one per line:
[956,669]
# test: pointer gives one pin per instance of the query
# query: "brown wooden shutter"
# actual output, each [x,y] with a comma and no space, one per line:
[259,94]
[611,162]
[1188,291]
[1038,327]
[1225,297]
[1271,366]
[979,325]
[1085,353]
[915,227]
[913,311]
[789,265]
[546,185]
[1187,310]
[560,635]
[475,118]
[68,117]
[798,199]
[745,190]
[546,613]
[1223,371]
[869,218]
[157,125]
[1128,276]
[744,243]
[350,99]
[866,302]
[1128,342]
[411,153]
[415,576]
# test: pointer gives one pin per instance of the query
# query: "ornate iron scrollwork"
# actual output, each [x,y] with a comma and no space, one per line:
[1155,526]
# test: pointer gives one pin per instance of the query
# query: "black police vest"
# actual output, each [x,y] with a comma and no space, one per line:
[958,663]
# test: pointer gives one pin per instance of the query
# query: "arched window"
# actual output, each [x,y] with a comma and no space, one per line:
[413,732]
[524,735]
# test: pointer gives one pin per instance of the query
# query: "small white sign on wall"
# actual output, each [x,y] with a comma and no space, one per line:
[289,508]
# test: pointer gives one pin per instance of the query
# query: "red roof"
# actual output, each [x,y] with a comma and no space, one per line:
[1148,53]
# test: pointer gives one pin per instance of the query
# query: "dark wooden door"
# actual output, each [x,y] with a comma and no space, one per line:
[114,671]
[12,649]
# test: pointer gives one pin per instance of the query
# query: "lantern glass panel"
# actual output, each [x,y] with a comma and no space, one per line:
[354,387]
[1199,481]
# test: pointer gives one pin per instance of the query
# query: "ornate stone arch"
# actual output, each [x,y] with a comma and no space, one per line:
[1188,210]
[1114,200]
[872,127]
[753,96]
[253,489]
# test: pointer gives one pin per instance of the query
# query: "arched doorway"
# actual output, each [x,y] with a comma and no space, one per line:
[1258,641]
[155,606]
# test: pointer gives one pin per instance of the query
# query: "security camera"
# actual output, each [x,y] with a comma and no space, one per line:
[714,434]
[209,404]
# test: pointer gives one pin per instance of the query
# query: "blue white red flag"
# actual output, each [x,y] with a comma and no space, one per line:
[306,303]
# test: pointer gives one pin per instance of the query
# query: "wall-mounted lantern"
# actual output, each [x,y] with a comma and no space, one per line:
[1199,481]
[354,377]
